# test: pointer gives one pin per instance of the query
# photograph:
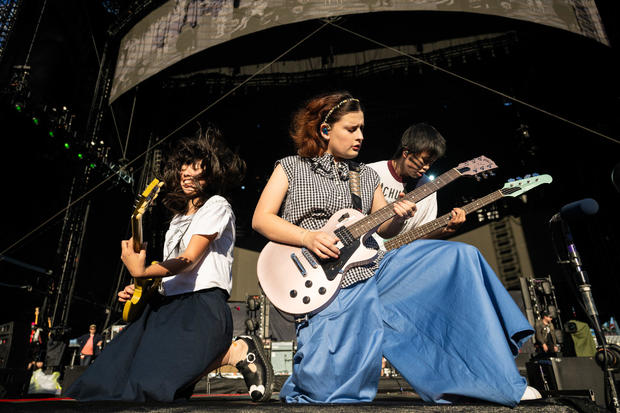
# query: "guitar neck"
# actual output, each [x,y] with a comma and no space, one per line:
[440,222]
[136,232]
[375,219]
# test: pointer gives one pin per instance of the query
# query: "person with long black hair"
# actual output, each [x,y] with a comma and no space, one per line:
[186,329]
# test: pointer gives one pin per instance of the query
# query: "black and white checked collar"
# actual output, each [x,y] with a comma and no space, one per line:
[324,166]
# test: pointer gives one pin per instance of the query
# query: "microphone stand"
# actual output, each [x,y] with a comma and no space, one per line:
[581,278]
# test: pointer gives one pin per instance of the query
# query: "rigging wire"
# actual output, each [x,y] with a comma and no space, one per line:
[473,82]
[326,21]
[133,108]
[100,64]
[162,140]
[36,30]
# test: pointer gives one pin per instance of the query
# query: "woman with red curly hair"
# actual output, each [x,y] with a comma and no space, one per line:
[434,309]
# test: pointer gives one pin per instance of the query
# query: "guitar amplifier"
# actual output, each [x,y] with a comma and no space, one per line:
[14,345]
[567,373]
[71,374]
[282,353]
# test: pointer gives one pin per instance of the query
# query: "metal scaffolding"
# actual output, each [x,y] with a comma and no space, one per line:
[9,9]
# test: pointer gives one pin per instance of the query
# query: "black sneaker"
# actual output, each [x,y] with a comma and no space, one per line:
[260,382]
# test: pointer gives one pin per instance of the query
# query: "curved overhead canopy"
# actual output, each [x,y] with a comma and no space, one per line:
[181,28]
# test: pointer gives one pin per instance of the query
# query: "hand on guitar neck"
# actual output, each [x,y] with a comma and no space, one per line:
[134,260]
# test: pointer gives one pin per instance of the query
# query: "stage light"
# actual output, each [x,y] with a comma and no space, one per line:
[35,120]
[66,145]
[80,156]
[19,107]
[431,177]
[51,133]
[92,166]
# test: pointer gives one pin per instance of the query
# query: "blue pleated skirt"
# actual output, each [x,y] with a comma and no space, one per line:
[163,353]
[436,311]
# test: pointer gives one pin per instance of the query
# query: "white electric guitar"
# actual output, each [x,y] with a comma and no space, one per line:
[297,282]
[511,188]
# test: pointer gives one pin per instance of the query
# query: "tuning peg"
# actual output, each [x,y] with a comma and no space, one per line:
[519,178]
[511,180]
[527,176]
[491,173]
[535,174]
[478,178]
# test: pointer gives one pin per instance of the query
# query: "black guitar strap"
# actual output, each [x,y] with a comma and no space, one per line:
[354,185]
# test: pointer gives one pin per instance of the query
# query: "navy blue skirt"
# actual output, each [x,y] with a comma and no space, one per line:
[161,355]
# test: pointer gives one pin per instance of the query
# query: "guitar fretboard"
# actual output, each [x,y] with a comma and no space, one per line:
[377,218]
[442,221]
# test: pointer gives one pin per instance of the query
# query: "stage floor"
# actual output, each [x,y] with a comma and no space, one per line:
[219,394]
[242,403]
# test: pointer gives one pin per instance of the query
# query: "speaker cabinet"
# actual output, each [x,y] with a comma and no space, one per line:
[567,373]
[503,245]
[70,375]
[14,343]
[14,383]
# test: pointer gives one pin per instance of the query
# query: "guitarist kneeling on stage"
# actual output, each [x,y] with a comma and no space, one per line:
[186,330]
[434,309]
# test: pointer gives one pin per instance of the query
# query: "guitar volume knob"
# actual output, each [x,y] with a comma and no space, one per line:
[293,293]
[306,300]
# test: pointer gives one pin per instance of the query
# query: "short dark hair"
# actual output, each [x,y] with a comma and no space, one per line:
[421,137]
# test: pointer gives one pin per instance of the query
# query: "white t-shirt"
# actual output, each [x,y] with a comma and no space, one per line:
[215,267]
[392,185]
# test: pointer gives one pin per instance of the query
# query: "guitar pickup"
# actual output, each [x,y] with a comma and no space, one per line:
[343,217]
[299,265]
[309,257]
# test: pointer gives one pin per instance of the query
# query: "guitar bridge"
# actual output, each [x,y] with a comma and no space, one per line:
[299,265]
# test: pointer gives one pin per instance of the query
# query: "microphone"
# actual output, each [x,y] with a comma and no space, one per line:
[576,211]
[573,212]
[579,209]
[570,213]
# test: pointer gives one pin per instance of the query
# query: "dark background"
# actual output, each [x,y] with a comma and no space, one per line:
[562,73]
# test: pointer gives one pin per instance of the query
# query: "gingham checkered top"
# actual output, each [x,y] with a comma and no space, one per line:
[317,189]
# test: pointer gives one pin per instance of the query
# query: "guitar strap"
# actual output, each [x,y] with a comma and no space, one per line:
[160,288]
[354,185]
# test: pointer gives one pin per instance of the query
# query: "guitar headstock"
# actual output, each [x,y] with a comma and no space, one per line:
[517,186]
[480,167]
[146,197]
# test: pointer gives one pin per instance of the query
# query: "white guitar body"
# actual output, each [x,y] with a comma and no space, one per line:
[296,281]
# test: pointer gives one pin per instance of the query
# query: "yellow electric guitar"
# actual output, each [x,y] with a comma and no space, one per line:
[144,287]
